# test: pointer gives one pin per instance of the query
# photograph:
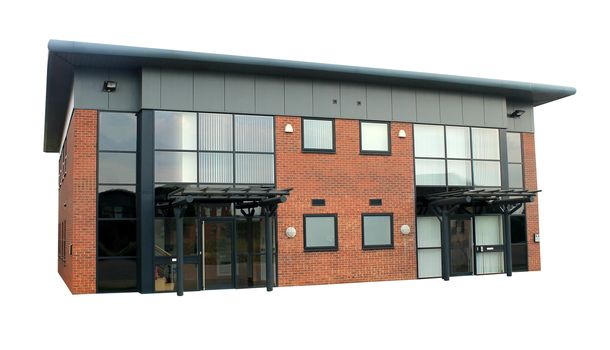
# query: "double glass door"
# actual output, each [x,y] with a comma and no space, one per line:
[477,249]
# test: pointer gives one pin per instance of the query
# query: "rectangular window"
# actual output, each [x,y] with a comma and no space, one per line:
[458,142]
[215,167]
[254,168]
[215,132]
[320,232]
[429,141]
[175,130]
[428,247]
[176,167]
[116,275]
[374,138]
[459,173]
[116,132]
[116,201]
[485,144]
[513,141]
[430,172]
[116,168]
[116,238]
[165,237]
[377,231]
[487,173]
[254,133]
[318,135]
[515,176]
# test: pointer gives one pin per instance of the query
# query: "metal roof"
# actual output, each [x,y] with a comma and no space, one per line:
[64,55]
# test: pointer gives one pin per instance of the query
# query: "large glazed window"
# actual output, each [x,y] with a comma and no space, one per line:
[116,224]
[320,232]
[374,138]
[377,231]
[517,221]
[318,135]
[428,247]
[175,131]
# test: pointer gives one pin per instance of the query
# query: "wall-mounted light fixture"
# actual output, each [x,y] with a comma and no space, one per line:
[402,134]
[516,113]
[405,229]
[291,232]
[537,237]
[110,86]
[288,128]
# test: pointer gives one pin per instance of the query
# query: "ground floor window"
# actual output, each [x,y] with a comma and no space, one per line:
[320,232]
[377,231]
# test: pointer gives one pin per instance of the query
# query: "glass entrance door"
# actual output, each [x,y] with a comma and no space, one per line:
[217,254]
[489,244]
[460,238]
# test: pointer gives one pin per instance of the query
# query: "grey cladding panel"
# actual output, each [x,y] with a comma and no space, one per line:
[176,89]
[209,92]
[378,103]
[299,98]
[353,101]
[428,106]
[451,108]
[495,112]
[404,106]
[326,99]
[127,95]
[239,93]
[151,88]
[88,85]
[473,110]
[269,94]
[525,123]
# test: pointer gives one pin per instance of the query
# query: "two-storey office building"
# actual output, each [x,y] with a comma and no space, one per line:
[203,171]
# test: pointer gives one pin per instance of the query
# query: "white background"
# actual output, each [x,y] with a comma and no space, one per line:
[547,42]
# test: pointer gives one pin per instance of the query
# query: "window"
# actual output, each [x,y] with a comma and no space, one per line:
[515,162]
[320,232]
[428,247]
[429,141]
[374,138]
[175,131]
[318,135]
[377,231]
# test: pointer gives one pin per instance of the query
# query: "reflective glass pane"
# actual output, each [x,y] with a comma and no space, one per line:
[429,141]
[118,168]
[374,137]
[175,167]
[318,134]
[460,238]
[165,237]
[117,131]
[254,168]
[519,257]
[250,236]
[485,143]
[377,230]
[428,263]
[116,275]
[459,173]
[215,132]
[218,254]
[486,173]
[488,230]
[165,277]
[490,262]
[116,202]
[320,232]
[254,133]
[517,229]
[215,167]
[175,130]
[251,271]
[515,176]
[458,142]
[116,238]
[513,140]
[428,232]
[430,172]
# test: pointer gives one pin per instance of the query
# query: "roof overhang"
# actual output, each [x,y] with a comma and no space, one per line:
[64,55]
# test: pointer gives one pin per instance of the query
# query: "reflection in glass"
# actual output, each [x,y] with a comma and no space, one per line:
[250,236]
[517,229]
[215,167]
[117,131]
[429,263]
[459,173]
[430,172]
[117,168]
[175,130]
[175,167]
[429,141]
[485,144]
[254,168]
[116,238]
[515,176]
[486,173]
[519,257]
[254,133]
[116,201]
[374,137]
[377,230]
[165,277]
[116,275]
[320,232]
[460,237]
[251,271]
[513,140]
[215,132]
[165,236]
[318,134]
[218,258]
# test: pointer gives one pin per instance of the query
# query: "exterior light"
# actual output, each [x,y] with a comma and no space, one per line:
[402,134]
[110,86]
[288,128]
[291,232]
[405,229]
[537,237]
[516,113]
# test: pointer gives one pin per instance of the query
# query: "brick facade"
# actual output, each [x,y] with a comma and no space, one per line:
[77,201]
[346,180]
[529,169]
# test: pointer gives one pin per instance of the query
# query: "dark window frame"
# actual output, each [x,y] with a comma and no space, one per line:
[378,246]
[333,150]
[376,153]
[319,248]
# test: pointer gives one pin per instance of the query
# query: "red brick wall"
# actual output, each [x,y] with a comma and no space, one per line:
[529,168]
[77,198]
[346,180]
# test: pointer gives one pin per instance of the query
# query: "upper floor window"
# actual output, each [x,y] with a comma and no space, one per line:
[318,135]
[374,138]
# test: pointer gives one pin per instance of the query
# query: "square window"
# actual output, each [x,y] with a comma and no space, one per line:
[175,167]
[377,231]
[215,132]
[429,263]
[116,238]
[430,172]
[487,173]
[116,168]
[116,275]
[320,232]
[215,167]
[117,131]
[485,144]
[429,141]
[374,138]
[254,168]
[254,133]
[459,173]
[175,130]
[318,135]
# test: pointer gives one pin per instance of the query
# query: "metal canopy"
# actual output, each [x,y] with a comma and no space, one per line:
[507,201]
[250,197]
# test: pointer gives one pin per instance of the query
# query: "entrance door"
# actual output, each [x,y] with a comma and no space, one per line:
[217,254]
[460,238]
[489,244]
